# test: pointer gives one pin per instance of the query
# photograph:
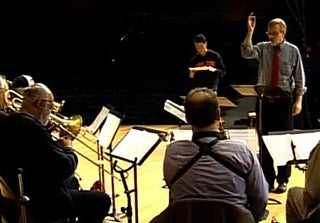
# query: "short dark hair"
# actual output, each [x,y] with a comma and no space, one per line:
[200,38]
[22,81]
[201,107]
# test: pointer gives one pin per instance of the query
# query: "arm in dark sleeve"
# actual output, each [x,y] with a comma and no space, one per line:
[60,162]
[220,66]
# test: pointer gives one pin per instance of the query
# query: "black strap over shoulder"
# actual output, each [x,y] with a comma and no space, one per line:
[203,150]
[206,149]
[220,160]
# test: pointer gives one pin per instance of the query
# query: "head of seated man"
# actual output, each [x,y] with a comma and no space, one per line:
[22,81]
[37,102]
[202,109]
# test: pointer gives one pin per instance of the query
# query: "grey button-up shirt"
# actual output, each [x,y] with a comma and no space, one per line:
[292,75]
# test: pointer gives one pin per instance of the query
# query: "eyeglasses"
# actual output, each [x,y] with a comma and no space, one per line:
[273,33]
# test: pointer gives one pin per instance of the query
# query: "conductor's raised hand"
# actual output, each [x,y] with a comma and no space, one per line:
[251,22]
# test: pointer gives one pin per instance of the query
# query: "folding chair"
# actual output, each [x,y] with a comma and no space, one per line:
[202,210]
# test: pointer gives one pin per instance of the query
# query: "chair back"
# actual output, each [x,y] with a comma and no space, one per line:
[197,210]
[6,190]
[9,207]
[312,188]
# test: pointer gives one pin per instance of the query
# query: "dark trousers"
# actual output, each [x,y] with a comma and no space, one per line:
[90,206]
[276,115]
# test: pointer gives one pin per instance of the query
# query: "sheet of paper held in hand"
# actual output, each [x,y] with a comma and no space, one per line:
[280,147]
[208,68]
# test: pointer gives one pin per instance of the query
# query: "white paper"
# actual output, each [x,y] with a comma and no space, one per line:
[108,130]
[250,136]
[175,109]
[93,127]
[135,145]
[305,143]
[280,147]
[207,68]
[180,134]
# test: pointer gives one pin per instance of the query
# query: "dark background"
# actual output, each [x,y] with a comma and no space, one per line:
[133,55]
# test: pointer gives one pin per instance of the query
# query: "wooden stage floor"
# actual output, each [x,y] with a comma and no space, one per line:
[152,197]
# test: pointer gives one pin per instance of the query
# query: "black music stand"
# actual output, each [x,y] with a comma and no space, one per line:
[297,145]
[104,140]
[97,122]
[290,141]
[262,91]
[265,91]
[134,148]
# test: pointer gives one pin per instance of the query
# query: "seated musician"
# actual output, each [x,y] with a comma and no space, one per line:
[304,203]
[21,82]
[241,182]
[3,102]
[46,164]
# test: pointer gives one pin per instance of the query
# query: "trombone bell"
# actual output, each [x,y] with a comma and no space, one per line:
[72,125]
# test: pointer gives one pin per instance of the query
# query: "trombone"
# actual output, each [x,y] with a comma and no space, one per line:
[69,125]
[14,100]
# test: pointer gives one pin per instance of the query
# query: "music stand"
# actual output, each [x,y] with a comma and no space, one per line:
[97,122]
[245,90]
[296,145]
[178,110]
[262,91]
[134,148]
[104,140]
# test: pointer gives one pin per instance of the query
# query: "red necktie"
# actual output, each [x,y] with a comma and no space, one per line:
[275,66]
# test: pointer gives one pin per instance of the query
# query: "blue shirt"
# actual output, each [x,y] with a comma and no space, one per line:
[207,178]
[292,75]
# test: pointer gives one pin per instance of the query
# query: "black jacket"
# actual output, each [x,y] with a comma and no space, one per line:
[27,144]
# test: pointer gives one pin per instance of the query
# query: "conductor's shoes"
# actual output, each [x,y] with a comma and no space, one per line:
[280,189]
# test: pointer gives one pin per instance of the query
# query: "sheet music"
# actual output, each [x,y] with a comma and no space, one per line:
[280,149]
[93,127]
[250,136]
[136,145]
[247,135]
[175,109]
[180,134]
[109,130]
[305,143]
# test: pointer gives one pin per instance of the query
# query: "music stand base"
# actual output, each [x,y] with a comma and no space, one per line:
[275,201]
[114,217]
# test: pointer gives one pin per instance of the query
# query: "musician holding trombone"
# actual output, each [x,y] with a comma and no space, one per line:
[47,164]
[3,102]
[19,82]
